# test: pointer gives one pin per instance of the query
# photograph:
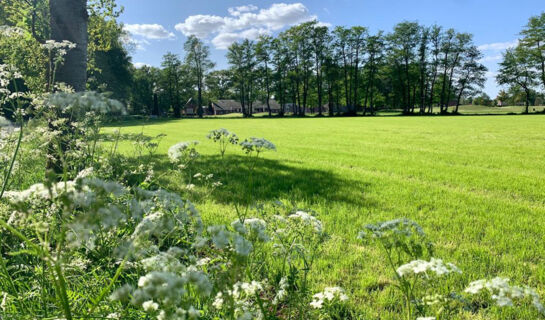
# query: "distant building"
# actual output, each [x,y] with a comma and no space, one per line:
[226,107]
[262,106]
[221,107]
[190,108]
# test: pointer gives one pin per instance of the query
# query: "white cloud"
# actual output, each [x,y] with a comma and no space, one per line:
[245,22]
[149,31]
[201,25]
[224,39]
[498,46]
[139,65]
[493,58]
[237,11]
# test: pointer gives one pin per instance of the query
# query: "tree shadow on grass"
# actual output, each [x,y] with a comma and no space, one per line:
[248,181]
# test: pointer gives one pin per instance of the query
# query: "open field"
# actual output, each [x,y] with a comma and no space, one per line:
[476,185]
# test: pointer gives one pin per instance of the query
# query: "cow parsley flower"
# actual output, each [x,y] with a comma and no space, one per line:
[150,306]
[7,74]
[404,227]
[254,228]
[329,295]
[257,145]
[183,152]
[224,138]
[83,102]
[436,266]
[503,293]
[307,219]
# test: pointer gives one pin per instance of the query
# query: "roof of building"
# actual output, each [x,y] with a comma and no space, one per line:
[227,105]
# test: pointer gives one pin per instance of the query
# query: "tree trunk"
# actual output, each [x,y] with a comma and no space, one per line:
[200,111]
[69,22]
[155,105]
[356,79]
[268,89]
[527,101]
[459,99]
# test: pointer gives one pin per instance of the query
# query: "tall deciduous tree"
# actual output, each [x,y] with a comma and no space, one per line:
[375,51]
[534,40]
[472,75]
[517,70]
[198,59]
[320,45]
[263,56]
[172,81]
[403,42]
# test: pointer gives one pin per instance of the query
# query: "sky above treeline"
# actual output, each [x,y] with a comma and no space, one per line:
[160,26]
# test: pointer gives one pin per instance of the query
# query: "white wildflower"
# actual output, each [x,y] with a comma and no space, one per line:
[183,152]
[307,219]
[150,306]
[436,266]
[257,145]
[503,293]
[329,295]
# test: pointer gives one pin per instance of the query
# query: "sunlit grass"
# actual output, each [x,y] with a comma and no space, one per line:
[476,185]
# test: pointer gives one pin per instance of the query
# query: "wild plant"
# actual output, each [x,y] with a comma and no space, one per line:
[504,294]
[56,51]
[183,154]
[423,280]
[10,75]
[404,245]
[329,303]
[224,138]
[145,147]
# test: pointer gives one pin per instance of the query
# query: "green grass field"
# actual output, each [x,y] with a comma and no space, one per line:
[464,109]
[475,183]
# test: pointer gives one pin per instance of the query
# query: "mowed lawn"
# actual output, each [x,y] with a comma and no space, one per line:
[475,183]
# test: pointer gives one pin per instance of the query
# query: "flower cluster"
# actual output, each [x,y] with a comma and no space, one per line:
[224,138]
[58,49]
[241,298]
[183,153]
[306,219]
[83,102]
[503,293]
[7,74]
[329,295]
[257,145]
[254,228]
[225,239]
[386,229]
[436,266]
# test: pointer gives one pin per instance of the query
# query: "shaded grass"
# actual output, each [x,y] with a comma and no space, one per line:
[476,185]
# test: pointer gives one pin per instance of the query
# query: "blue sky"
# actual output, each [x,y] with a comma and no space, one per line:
[159,26]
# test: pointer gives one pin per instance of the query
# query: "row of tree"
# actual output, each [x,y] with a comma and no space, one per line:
[311,68]
[307,68]
[413,68]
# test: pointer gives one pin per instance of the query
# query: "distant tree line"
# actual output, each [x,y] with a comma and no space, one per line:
[309,68]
